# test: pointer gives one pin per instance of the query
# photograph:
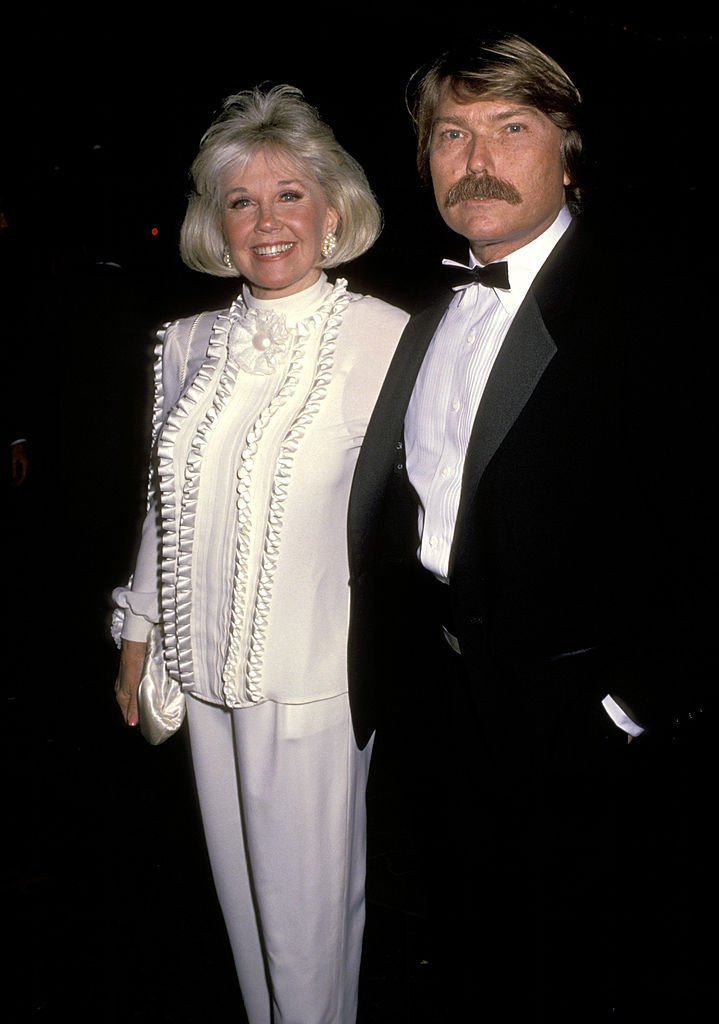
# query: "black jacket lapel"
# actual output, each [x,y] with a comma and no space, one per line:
[379,452]
[524,356]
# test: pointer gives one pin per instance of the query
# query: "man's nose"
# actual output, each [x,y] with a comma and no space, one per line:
[479,157]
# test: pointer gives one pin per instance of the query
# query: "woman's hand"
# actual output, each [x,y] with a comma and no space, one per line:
[132,658]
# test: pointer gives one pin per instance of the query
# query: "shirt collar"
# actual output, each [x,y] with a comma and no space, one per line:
[294,307]
[524,263]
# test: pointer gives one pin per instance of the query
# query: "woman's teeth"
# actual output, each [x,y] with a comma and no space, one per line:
[272,250]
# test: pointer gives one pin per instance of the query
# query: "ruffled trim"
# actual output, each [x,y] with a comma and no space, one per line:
[120,595]
[140,605]
[176,558]
[117,622]
[333,309]
[248,614]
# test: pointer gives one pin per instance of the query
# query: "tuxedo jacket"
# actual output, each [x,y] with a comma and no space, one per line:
[569,569]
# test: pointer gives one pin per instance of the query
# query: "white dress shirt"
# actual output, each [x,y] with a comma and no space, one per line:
[449,389]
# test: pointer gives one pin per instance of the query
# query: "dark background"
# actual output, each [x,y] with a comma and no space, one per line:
[112,916]
[106,111]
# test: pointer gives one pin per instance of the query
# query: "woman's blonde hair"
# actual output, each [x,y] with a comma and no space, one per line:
[278,119]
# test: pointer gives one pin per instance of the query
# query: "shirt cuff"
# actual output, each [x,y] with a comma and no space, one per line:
[620,717]
[134,616]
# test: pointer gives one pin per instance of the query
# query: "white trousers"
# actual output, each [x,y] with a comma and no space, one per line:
[282,797]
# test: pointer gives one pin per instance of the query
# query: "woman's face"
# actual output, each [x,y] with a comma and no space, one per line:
[274,218]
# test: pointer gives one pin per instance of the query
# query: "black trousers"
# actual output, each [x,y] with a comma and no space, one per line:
[569,880]
[516,844]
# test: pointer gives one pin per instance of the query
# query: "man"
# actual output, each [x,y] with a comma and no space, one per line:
[521,602]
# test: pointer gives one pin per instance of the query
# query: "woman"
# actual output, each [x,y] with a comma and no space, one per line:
[260,412]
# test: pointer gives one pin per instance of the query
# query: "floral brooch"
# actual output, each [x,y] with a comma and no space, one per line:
[258,340]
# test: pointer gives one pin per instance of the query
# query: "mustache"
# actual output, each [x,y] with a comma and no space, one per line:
[483,187]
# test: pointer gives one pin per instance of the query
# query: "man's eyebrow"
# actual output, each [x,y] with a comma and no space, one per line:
[509,112]
[500,115]
[449,119]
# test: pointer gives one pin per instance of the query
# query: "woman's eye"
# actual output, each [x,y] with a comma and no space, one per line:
[239,204]
[290,197]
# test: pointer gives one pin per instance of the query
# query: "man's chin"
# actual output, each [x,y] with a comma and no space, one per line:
[472,224]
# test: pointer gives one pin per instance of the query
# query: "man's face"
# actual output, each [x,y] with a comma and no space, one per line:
[507,160]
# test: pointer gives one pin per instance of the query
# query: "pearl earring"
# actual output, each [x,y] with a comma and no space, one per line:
[227,259]
[329,244]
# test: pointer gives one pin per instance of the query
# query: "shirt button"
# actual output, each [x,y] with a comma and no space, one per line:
[447,471]
[456,405]
[434,542]
[471,338]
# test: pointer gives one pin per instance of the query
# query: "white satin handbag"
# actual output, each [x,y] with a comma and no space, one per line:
[160,700]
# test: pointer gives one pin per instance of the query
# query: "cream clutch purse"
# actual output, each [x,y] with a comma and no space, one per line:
[160,700]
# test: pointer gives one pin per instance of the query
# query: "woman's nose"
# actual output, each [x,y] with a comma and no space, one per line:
[266,218]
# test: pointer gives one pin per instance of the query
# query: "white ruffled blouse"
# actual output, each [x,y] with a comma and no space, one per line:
[257,432]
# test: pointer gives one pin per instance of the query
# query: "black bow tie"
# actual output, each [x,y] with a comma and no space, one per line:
[494,275]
